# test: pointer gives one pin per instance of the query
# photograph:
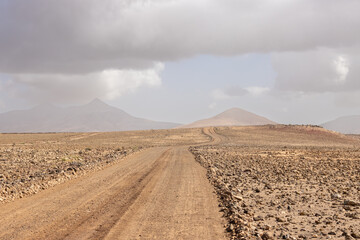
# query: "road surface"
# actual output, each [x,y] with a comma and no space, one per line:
[159,193]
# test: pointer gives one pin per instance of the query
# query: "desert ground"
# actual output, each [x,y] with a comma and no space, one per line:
[285,182]
[261,182]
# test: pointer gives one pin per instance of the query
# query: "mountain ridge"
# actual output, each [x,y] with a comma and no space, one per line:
[345,124]
[231,117]
[95,116]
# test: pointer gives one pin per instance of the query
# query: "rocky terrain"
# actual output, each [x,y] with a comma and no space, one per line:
[30,163]
[272,182]
[25,171]
[273,190]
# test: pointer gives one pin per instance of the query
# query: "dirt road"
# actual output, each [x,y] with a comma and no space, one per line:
[215,138]
[159,193]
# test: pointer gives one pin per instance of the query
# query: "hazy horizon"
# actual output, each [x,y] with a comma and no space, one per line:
[180,61]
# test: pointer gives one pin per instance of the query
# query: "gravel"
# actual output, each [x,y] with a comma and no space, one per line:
[289,192]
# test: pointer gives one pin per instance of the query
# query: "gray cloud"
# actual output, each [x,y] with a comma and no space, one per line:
[235,91]
[77,36]
[59,88]
[61,50]
[321,70]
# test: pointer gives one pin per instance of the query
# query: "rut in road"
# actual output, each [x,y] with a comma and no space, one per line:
[104,217]
[159,193]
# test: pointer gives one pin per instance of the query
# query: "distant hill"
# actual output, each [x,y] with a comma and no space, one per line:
[346,125]
[231,117]
[95,116]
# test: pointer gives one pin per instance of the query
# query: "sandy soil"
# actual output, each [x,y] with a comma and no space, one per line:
[156,193]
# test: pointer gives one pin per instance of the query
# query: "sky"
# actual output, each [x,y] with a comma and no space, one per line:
[293,61]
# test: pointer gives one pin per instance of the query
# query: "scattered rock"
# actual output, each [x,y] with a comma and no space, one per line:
[351,203]
[355,235]
[31,168]
[292,193]
[258,218]
[238,198]
[335,196]
[266,236]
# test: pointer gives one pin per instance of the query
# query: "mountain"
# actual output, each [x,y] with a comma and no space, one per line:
[95,116]
[231,117]
[346,125]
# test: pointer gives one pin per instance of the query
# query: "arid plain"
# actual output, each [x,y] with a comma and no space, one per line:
[261,182]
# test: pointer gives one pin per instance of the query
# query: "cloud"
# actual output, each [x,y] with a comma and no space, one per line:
[74,36]
[236,91]
[108,84]
[347,100]
[341,65]
[212,105]
[321,70]
[257,91]
[2,105]
[120,82]
[75,49]
[219,94]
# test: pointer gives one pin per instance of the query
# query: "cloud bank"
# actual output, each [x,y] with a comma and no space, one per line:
[320,70]
[314,44]
[108,84]
[82,36]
